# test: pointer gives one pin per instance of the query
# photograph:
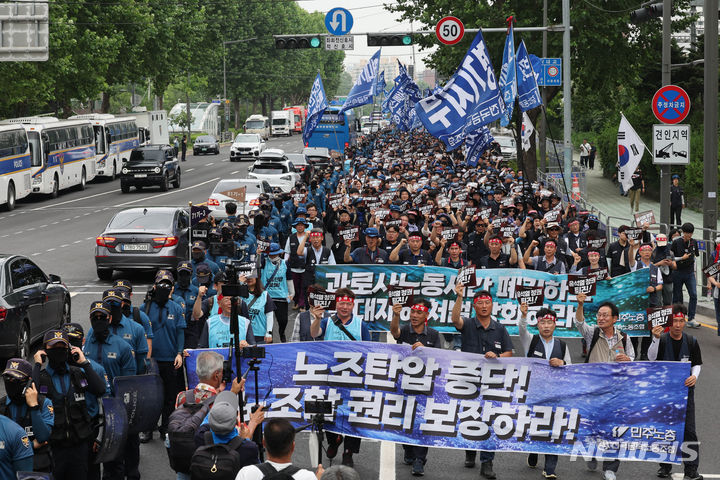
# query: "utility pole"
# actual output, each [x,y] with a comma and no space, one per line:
[542,128]
[710,120]
[665,70]
[567,110]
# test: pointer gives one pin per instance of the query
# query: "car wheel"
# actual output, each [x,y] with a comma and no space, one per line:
[124,187]
[217,151]
[165,183]
[22,350]
[56,187]
[176,182]
[105,274]
[83,180]
[195,152]
[65,312]
[10,203]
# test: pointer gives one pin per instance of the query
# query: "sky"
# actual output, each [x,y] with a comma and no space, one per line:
[370,16]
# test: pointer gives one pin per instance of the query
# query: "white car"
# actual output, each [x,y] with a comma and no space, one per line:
[275,167]
[507,147]
[246,145]
[253,188]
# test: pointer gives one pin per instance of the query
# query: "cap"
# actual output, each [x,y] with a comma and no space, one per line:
[372,232]
[99,307]
[553,225]
[242,220]
[110,295]
[203,270]
[123,285]
[124,295]
[74,330]
[18,368]
[299,220]
[56,336]
[395,208]
[165,277]
[661,239]
[198,244]
[184,267]
[275,249]
[223,414]
[675,176]
[220,277]
[301,211]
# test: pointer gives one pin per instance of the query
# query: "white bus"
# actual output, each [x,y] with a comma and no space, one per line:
[62,153]
[115,138]
[15,166]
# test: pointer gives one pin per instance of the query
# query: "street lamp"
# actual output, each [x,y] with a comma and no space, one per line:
[229,42]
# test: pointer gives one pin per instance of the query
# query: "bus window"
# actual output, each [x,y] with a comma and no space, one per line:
[35,150]
[99,139]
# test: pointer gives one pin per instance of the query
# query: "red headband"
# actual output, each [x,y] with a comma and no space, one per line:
[482,297]
[646,246]
[345,298]
[548,316]
[316,234]
[495,240]
[679,315]
[420,307]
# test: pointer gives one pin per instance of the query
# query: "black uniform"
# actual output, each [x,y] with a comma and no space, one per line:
[677,199]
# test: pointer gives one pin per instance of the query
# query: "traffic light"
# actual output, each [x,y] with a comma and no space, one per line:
[283,42]
[389,39]
[644,14]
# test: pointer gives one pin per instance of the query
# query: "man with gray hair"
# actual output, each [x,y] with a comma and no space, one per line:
[340,472]
[209,369]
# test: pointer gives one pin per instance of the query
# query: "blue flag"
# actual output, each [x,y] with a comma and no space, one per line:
[475,145]
[508,76]
[380,86]
[528,91]
[468,101]
[536,66]
[402,70]
[317,103]
[364,88]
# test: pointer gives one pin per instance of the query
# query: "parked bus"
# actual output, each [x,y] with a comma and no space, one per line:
[336,130]
[62,153]
[153,127]
[299,115]
[115,138]
[15,165]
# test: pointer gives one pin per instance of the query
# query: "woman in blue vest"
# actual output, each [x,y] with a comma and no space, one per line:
[274,275]
[261,309]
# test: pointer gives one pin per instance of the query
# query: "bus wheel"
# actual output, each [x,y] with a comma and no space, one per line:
[56,187]
[83,180]
[10,204]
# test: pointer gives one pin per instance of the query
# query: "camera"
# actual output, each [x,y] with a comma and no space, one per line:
[237,290]
[321,407]
[227,371]
[253,352]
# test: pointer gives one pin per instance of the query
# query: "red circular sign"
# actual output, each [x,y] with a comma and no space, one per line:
[671,104]
[450,30]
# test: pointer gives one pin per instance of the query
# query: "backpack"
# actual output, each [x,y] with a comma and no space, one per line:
[183,423]
[216,461]
[270,473]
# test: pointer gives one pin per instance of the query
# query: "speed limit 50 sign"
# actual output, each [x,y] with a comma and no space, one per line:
[450,30]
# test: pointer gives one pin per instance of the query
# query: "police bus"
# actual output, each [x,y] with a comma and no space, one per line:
[62,153]
[115,138]
[14,165]
[336,131]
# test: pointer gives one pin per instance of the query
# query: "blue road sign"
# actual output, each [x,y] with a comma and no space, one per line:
[338,21]
[551,74]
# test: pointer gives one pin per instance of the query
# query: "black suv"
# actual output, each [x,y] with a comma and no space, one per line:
[151,165]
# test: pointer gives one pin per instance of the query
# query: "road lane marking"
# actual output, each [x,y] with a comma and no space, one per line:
[189,170]
[76,200]
[235,172]
[209,164]
[713,327]
[42,226]
[65,245]
[77,241]
[49,249]
[36,254]
[168,193]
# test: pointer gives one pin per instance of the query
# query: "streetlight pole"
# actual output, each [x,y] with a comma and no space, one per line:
[665,80]
[710,120]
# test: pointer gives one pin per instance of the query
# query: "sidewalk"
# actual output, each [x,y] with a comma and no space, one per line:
[604,195]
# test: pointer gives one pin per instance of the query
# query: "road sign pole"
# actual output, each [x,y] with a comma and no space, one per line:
[710,121]
[665,169]
[542,129]
[567,120]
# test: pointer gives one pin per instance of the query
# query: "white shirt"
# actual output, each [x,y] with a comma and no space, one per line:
[252,472]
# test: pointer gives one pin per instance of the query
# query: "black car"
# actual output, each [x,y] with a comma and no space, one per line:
[151,165]
[142,238]
[206,144]
[31,303]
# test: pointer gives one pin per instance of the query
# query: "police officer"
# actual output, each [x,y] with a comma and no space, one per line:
[65,379]
[30,410]
[169,325]
[678,346]
[677,201]
[198,256]
[245,242]
[128,330]
[204,278]
[17,453]
[417,334]
[134,313]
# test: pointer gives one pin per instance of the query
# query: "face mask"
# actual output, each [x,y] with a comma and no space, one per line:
[57,357]
[276,260]
[184,280]
[162,294]
[14,390]
[198,256]
[126,309]
[115,313]
[101,328]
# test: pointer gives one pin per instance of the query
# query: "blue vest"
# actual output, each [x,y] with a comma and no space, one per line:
[257,314]
[219,331]
[215,307]
[332,332]
[277,288]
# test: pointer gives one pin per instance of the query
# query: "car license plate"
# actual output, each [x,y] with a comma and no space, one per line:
[141,175]
[135,247]
[204,148]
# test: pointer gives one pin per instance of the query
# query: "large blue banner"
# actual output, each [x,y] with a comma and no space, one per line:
[437,284]
[475,145]
[468,101]
[316,106]
[528,91]
[442,398]
[508,75]
[364,88]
